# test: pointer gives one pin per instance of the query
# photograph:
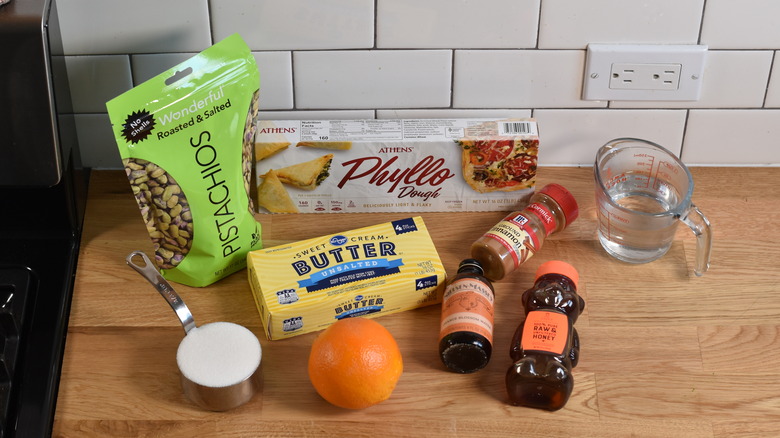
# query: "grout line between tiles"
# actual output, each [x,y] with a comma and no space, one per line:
[538,25]
[452,79]
[769,78]
[376,20]
[701,21]
[292,80]
[211,22]
[130,66]
[685,131]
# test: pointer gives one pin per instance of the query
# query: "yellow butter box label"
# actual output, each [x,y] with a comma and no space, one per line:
[305,286]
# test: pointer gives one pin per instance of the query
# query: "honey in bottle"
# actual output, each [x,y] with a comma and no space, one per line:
[466,334]
[546,346]
[518,236]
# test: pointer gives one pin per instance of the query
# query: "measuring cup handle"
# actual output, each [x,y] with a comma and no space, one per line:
[151,274]
[696,220]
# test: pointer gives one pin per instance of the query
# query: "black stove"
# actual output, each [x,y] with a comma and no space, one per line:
[38,258]
[42,199]
[15,286]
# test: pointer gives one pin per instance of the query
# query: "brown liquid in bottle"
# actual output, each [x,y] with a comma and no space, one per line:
[516,238]
[546,346]
[466,333]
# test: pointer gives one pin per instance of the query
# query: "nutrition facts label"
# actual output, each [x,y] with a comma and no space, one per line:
[348,130]
[412,129]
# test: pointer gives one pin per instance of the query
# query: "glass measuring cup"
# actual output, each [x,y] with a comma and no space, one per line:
[642,190]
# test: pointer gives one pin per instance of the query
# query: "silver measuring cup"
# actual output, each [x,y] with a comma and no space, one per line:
[642,192]
[219,362]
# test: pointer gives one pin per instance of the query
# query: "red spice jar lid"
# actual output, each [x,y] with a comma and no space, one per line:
[559,267]
[565,199]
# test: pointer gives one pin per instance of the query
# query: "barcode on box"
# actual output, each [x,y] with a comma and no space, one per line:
[517,128]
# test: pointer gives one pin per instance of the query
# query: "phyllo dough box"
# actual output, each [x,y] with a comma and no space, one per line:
[410,165]
[305,286]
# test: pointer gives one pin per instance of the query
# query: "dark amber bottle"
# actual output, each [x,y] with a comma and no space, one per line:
[466,333]
[546,346]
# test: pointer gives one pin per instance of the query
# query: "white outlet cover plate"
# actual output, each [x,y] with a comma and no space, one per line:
[601,57]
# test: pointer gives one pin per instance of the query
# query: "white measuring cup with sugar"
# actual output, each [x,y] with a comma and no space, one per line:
[642,192]
[219,362]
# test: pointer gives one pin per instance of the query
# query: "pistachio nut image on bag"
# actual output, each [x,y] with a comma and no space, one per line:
[185,138]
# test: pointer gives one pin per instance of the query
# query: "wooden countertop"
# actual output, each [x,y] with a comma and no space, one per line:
[664,353]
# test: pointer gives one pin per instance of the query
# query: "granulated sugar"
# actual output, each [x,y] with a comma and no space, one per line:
[219,354]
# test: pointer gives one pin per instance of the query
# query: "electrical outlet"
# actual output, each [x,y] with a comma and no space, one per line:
[643,72]
[645,76]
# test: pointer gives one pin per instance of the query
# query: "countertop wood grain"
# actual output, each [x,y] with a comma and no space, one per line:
[664,353]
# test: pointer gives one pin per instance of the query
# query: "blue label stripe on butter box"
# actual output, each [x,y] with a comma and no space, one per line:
[360,312]
[404,226]
[349,272]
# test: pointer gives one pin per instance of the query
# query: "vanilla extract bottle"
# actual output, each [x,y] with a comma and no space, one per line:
[466,332]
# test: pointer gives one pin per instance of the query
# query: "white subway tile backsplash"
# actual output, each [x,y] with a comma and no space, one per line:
[316,115]
[572,24]
[464,24]
[140,26]
[94,80]
[296,24]
[276,88]
[275,74]
[572,137]
[519,79]
[731,79]
[732,137]
[148,66]
[741,24]
[355,59]
[95,136]
[773,92]
[372,79]
[453,114]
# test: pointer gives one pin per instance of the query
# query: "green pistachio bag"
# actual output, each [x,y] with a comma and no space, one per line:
[186,139]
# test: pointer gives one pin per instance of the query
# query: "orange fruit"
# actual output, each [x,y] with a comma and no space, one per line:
[355,363]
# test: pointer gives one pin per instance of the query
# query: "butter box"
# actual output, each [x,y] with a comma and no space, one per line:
[410,165]
[305,286]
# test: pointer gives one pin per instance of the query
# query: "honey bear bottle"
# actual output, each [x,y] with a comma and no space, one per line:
[546,346]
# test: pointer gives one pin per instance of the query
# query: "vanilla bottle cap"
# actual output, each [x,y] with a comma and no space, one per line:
[474,263]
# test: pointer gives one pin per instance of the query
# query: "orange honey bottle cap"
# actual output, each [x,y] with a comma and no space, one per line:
[561,268]
[565,199]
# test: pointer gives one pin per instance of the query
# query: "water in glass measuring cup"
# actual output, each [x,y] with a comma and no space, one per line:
[642,190]
[628,236]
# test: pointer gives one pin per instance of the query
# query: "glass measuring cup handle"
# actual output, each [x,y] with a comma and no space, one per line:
[700,225]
